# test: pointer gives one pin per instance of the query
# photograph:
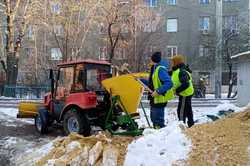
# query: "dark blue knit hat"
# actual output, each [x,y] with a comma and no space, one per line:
[156,57]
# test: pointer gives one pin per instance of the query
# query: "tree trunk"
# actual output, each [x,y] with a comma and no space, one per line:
[12,69]
[230,87]
[12,60]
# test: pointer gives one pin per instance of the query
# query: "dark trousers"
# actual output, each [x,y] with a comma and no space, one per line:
[157,116]
[184,110]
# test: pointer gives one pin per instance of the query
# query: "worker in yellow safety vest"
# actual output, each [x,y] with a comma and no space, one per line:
[183,87]
[160,83]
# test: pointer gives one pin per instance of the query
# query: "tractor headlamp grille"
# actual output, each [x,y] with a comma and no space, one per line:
[100,97]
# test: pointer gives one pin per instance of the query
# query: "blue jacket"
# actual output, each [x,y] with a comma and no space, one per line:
[163,76]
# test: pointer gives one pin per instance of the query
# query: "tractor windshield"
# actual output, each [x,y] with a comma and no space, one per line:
[95,75]
[81,77]
[94,79]
[88,77]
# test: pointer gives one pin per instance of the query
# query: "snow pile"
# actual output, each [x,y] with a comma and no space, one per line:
[170,116]
[227,105]
[201,114]
[162,147]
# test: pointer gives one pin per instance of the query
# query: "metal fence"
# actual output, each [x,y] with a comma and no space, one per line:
[25,92]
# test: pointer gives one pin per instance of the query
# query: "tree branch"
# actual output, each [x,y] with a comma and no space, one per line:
[16,9]
[3,65]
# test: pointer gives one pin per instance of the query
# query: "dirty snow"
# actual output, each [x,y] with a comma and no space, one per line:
[33,155]
[8,117]
[11,147]
[200,113]
[167,145]
[161,147]
[12,112]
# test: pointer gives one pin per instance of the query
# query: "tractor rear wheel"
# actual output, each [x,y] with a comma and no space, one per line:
[76,122]
[41,121]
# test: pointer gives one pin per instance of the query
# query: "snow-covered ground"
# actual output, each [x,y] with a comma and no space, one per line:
[159,147]
[156,147]
[168,145]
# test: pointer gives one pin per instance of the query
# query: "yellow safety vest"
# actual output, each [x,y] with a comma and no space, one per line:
[176,81]
[157,83]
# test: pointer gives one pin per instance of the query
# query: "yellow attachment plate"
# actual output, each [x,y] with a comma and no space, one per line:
[129,90]
[28,109]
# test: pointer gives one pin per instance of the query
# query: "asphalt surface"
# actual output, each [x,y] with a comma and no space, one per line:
[18,136]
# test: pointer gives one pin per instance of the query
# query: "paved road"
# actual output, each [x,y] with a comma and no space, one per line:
[17,136]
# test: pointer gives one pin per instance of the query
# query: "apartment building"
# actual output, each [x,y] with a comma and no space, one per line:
[186,27]
[190,30]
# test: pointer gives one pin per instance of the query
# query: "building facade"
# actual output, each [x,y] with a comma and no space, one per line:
[184,27]
[190,30]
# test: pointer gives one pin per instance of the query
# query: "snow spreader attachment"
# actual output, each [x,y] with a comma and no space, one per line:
[125,94]
[83,95]
[28,109]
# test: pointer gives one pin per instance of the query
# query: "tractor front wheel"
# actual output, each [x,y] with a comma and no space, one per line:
[41,121]
[76,122]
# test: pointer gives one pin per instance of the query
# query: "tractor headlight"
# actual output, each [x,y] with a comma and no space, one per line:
[100,97]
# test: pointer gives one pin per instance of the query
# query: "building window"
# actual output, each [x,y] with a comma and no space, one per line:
[102,28]
[230,23]
[152,49]
[120,54]
[150,26]
[204,23]
[171,2]
[55,7]
[151,3]
[58,30]
[172,25]
[30,32]
[204,1]
[203,51]
[103,53]
[125,29]
[171,51]
[56,54]
[29,52]
[122,2]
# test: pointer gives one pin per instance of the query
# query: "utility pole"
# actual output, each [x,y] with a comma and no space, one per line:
[218,55]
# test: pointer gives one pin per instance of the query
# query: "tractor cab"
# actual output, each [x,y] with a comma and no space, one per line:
[76,90]
[78,79]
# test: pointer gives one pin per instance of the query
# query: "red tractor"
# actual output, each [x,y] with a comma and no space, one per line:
[78,100]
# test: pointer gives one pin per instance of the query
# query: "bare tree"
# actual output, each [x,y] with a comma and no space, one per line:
[74,21]
[131,25]
[17,15]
